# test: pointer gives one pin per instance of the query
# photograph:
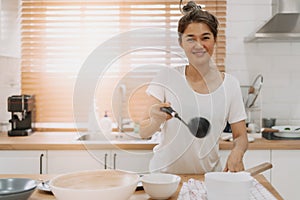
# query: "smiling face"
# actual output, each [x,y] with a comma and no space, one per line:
[198,43]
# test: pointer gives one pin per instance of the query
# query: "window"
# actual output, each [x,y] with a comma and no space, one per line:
[57,36]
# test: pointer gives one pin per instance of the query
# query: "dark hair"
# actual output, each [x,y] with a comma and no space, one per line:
[194,13]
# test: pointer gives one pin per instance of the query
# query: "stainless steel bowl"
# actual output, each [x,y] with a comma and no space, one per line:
[16,188]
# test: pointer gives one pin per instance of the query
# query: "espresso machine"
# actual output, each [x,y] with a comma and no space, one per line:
[22,113]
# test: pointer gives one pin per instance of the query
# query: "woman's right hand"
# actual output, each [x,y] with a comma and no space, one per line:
[157,115]
[153,118]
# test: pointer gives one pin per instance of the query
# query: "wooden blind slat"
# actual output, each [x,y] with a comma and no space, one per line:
[58,35]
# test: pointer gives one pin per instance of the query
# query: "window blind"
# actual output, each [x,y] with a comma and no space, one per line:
[58,35]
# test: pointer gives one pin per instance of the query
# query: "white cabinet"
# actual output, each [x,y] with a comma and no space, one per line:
[23,162]
[223,157]
[76,160]
[285,173]
[133,160]
[64,161]
[252,158]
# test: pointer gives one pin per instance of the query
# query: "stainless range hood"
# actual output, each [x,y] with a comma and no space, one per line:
[283,26]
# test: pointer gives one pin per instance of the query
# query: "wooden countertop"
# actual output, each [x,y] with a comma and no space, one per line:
[67,141]
[264,144]
[138,195]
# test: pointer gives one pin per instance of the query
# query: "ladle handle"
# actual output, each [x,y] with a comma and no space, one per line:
[259,168]
[169,111]
[173,113]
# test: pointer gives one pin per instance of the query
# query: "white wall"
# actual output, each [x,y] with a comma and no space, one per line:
[9,83]
[9,24]
[9,55]
[279,63]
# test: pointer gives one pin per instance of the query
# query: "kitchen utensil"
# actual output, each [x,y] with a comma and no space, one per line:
[259,168]
[254,91]
[160,185]
[269,130]
[95,184]
[252,128]
[198,126]
[16,188]
[268,122]
[233,186]
[44,186]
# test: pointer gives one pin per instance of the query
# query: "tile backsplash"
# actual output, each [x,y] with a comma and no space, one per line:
[279,63]
[9,83]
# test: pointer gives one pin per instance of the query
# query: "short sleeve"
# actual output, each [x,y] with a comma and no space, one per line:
[237,109]
[156,87]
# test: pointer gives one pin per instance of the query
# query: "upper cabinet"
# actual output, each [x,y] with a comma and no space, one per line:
[9,28]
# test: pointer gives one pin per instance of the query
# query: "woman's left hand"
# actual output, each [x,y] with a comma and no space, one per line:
[235,161]
[240,143]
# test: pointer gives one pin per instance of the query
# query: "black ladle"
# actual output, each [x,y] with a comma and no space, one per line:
[198,126]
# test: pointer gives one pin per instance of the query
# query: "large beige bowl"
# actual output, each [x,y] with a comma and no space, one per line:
[94,185]
[160,185]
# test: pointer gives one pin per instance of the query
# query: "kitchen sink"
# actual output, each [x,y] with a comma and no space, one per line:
[114,136]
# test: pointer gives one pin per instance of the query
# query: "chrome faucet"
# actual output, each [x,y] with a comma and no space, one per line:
[122,90]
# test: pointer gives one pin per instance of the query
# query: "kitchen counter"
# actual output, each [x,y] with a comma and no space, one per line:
[138,195]
[67,141]
[261,143]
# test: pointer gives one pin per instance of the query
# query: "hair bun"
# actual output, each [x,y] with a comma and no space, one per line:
[190,6]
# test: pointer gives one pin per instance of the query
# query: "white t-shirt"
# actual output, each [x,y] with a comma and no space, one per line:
[179,150]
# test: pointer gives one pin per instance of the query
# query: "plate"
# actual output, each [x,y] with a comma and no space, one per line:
[250,139]
[229,138]
[287,131]
[133,134]
[44,186]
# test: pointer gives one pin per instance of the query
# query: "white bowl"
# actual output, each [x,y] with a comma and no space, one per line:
[94,185]
[233,186]
[160,185]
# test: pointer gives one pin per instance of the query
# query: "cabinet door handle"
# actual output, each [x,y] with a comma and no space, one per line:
[105,161]
[115,158]
[41,163]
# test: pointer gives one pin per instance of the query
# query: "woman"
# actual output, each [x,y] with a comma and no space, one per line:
[197,89]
